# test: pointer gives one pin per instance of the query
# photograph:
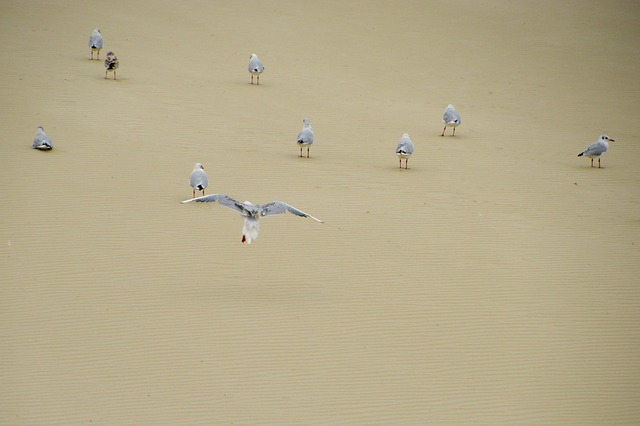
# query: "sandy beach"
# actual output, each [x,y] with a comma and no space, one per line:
[494,282]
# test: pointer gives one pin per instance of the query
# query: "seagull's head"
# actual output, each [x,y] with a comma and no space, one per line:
[198,166]
[606,138]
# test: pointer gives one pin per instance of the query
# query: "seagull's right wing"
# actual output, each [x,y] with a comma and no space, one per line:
[223,199]
[278,207]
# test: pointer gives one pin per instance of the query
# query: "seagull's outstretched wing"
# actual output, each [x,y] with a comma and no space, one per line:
[223,199]
[278,207]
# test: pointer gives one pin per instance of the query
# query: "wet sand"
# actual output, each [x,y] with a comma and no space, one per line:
[495,282]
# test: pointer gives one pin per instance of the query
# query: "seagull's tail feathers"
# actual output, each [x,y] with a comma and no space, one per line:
[581,154]
[250,230]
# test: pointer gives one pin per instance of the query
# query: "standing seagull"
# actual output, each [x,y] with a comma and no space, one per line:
[255,67]
[404,150]
[597,148]
[42,141]
[95,42]
[250,212]
[198,180]
[451,118]
[111,63]
[305,137]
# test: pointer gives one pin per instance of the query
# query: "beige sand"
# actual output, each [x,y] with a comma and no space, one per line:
[495,282]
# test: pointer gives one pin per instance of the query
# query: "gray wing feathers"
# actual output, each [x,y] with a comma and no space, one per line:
[450,116]
[405,146]
[95,41]
[596,148]
[223,199]
[199,179]
[278,207]
[255,65]
[41,140]
[305,136]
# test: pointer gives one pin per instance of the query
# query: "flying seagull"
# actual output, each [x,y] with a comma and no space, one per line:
[111,63]
[250,212]
[597,148]
[255,67]
[95,42]
[42,141]
[404,150]
[198,179]
[305,137]
[451,118]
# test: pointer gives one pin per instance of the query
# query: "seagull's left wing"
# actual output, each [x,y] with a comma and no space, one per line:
[278,207]
[223,199]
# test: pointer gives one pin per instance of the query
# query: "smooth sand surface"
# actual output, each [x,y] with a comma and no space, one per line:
[495,282]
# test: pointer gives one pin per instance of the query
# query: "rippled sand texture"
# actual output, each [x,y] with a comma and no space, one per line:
[495,282]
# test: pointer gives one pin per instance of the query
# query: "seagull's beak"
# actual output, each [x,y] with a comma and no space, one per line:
[611,140]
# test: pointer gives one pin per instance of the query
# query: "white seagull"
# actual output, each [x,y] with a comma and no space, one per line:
[198,179]
[250,212]
[95,42]
[404,149]
[255,67]
[305,137]
[597,148]
[451,118]
[42,141]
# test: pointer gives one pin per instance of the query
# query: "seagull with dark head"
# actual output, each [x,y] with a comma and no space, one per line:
[596,149]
